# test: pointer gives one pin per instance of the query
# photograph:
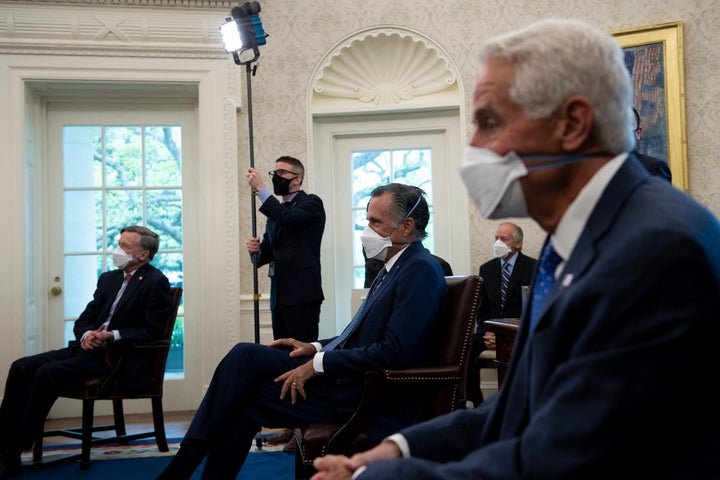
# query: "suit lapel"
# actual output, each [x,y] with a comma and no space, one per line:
[599,222]
[133,285]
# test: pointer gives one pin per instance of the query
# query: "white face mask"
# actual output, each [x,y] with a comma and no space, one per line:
[492,182]
[120,258]
[374,245]
[500,249]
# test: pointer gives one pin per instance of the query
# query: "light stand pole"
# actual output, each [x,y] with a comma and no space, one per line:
[250,72]
[243,31]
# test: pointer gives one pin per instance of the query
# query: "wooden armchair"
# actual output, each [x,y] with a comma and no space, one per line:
[441,385]
[109,388]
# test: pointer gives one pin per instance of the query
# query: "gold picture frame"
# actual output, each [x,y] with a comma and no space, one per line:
[654,55]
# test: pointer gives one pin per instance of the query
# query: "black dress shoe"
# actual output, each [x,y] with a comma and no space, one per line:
[9,465]
[183,464]
[284,437]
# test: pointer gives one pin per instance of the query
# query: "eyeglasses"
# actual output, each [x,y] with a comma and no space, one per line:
[282,173]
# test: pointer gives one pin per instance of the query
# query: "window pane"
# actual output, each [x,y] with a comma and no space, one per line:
[163,156]
[82,217]
[123,156]
[82,272]
[166,207]
[82,157]
[123,207]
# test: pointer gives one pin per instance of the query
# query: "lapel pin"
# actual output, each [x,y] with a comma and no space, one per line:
[567,279]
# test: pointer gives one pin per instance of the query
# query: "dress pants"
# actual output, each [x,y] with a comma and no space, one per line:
[242,397]
[32,387]
[300,322]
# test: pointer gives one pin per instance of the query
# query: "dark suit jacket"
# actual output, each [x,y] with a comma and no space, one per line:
[490,299]
[139,315]
[292,240]
[620,369]
[397,322]
[655,166]
[373,266]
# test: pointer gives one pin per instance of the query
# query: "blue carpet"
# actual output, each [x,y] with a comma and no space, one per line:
[276,465]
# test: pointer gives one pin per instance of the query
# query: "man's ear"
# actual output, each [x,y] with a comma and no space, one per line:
[577,117]
[408,226]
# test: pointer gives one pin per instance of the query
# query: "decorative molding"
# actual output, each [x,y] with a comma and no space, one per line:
[93,29]
[226,4]
[384,66]
[115,51]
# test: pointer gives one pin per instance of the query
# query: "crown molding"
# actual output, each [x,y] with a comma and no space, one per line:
[97,30]
[224,4]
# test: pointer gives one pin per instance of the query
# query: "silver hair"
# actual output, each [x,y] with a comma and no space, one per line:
[556,59]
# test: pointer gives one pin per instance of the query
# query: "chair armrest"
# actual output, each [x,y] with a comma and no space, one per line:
[352,428]
[149,345]
[435,374]
[147,349]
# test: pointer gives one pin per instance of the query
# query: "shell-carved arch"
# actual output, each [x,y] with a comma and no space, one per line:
[383,66]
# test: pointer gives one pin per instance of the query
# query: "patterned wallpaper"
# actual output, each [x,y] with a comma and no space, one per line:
[301,32]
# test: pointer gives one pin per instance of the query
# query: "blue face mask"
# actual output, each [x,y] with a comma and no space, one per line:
[559,160]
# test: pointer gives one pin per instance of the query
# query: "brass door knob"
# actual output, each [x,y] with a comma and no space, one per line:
[56,290]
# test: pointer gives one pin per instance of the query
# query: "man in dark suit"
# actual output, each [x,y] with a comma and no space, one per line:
[129,304]
[615,363]
[289,382]
[291,247]
[655,166]
[503,278]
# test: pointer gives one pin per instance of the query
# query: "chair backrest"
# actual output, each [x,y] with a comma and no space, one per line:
[455,331]
[176,294]
[453,337]
[144,376]
[160,361]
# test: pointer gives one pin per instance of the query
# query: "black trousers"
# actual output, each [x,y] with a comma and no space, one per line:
[242,397]
[296,321]
[32,387]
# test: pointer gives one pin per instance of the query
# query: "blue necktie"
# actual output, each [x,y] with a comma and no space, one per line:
[504,282]
[356,319]
[549,260]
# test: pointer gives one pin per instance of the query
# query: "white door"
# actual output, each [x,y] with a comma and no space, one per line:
[109,165]
[339,141]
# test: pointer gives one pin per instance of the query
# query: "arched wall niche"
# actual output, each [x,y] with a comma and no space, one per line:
[387,83]
[384,68]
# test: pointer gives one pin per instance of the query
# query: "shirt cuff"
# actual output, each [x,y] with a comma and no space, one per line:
[318,363]
[263,194]
[358,472]
[116,335]
[401,442]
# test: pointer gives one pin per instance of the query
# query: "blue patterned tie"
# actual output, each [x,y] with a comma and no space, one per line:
[356,319]
[504,282]
[549,260]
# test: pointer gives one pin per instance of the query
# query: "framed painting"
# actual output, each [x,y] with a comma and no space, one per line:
[654,57]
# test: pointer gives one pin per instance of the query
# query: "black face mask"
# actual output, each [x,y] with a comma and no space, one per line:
[281,186]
